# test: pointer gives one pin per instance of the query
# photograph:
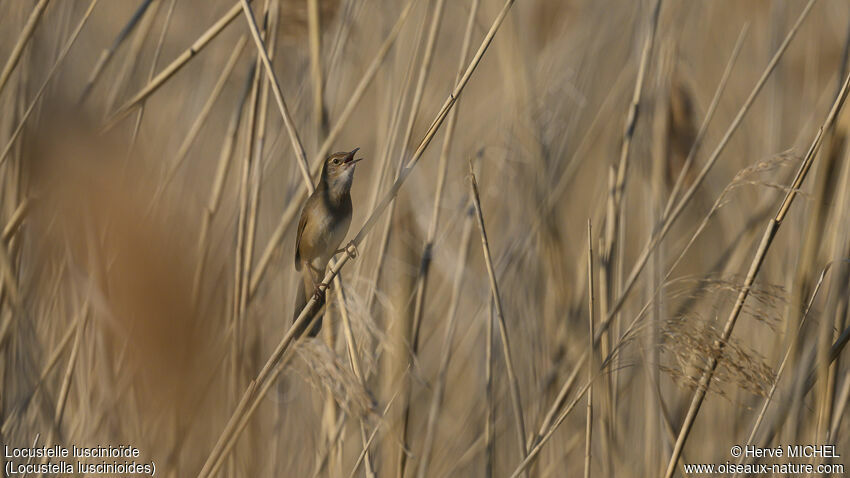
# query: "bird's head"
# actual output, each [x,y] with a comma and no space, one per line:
[338,171]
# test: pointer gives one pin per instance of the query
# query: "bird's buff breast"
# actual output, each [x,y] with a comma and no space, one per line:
[327,235]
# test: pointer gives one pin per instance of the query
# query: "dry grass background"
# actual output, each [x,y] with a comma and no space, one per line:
[146,255]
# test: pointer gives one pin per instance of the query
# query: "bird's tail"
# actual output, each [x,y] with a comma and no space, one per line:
[301,299]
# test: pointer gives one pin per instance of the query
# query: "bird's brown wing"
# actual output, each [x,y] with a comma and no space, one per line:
[301,223]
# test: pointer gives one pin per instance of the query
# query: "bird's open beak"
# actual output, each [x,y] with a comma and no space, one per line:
[349,160]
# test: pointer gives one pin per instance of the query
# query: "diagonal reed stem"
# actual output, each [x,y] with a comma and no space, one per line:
[259,386]
[755,267]
[23,39]
[175,65]
[295,203]
[516,401]
[297,146]
[43,88]
[669,219]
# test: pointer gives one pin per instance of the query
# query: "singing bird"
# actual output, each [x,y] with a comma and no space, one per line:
[324,224]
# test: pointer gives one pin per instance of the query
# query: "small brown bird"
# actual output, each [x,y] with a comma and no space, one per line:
[324,223]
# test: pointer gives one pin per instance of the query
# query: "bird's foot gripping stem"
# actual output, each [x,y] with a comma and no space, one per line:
[319,291]
[350,249]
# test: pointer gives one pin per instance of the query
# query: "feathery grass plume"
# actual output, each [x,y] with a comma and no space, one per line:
[327,372]
[690,341]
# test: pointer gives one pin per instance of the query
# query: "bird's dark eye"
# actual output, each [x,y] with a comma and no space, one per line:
[336,161]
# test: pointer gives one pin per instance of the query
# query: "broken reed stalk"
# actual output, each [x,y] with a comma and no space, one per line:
[295,203]
[755,266]
[259,386]
[516,401]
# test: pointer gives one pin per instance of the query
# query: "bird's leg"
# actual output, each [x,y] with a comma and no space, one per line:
[350,249]
[321,287]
